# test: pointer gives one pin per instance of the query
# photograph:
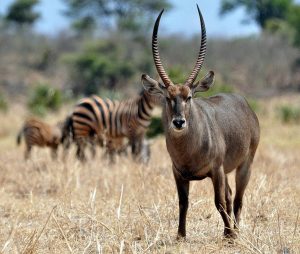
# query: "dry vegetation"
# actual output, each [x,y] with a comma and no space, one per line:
[54,207]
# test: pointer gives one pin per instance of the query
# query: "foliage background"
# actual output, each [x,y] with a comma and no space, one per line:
[63,206]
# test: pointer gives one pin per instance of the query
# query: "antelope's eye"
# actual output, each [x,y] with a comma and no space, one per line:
[189,98]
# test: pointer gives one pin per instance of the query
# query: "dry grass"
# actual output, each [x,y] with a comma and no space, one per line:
[54,207]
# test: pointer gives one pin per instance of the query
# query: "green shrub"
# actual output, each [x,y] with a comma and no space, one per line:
[177,74]
[111,94]
[215,89]
[44,59]
[155,128]
[3,103]
[43,98]
[289,114]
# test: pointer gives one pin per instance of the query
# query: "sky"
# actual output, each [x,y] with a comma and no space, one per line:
[182,18]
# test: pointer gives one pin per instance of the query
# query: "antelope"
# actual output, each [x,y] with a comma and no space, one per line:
[205,137]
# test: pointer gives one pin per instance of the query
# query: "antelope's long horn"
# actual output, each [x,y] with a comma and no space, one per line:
[159,67]
[201,54]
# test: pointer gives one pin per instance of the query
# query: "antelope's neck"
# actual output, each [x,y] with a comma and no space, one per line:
[189,150]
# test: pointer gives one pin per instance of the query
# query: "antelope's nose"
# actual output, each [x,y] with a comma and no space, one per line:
[179,123]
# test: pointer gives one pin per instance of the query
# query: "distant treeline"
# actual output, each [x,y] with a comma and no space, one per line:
[107,48]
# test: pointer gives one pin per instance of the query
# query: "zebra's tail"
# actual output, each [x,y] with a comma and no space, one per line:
[19,137]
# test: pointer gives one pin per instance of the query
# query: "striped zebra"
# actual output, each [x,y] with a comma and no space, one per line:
[113,145]
[97,119]
[39,133]
[68,137]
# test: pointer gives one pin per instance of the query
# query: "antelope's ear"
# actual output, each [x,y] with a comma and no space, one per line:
[152,86]
[205,83]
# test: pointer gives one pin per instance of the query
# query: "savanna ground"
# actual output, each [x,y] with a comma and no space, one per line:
[55,207]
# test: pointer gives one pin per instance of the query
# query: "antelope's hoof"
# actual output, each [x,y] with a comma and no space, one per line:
[236,228]
[230,234]
[180,237]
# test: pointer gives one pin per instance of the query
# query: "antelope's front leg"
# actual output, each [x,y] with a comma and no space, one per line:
[183,195]
[219,182]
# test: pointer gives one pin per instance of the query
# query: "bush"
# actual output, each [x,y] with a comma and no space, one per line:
[155,128]
[43,98]
[177,74]
[289,114]
[281,28]
[3,103]
[110,94]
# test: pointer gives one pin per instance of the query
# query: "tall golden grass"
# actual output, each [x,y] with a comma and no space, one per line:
[64,207]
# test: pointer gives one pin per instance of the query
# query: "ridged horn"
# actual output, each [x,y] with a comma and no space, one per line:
[202,52]
[159,67]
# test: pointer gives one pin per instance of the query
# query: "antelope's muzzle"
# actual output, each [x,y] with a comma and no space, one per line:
[179,123]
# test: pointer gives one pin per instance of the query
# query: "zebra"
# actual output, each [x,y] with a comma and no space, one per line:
[113,145]
[101,120]
[38,133]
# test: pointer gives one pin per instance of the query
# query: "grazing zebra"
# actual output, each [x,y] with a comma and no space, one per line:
[39,133]
[113,145]
[100,120]
[120,145]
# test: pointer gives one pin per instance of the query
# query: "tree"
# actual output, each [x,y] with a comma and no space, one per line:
[21,12]
[294,21]
[84,25]
[276,16]
[100,65]
[259,10]
[129,15]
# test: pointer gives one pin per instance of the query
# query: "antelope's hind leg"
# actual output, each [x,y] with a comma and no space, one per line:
[228,198]
[242,177]
[222,192]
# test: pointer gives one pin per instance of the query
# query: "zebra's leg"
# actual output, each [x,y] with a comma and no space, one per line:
[145,152]
[92,144]
[136,145]
[27,151]
[80,150]
[138,149]
[100,141]
[110,150]
[112,156]
[123,148]
[66,146]
[54,152]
